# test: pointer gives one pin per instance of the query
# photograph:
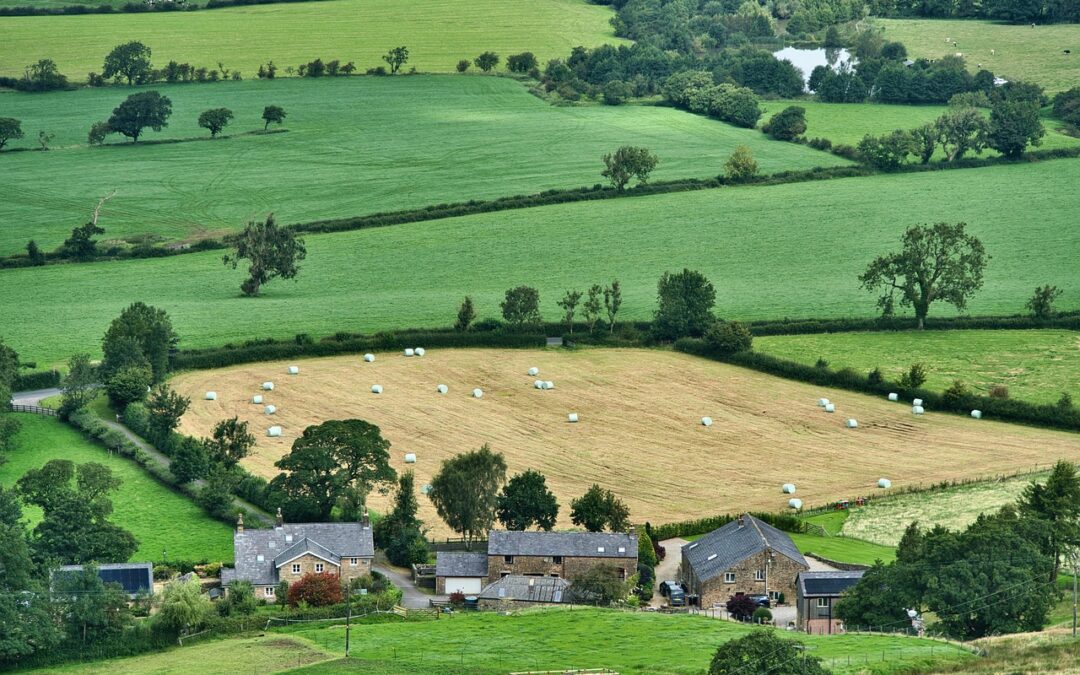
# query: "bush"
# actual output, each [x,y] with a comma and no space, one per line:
[999,391]
[762,615]
[315,590]
[957,394]
[742,607]
[875,376]
[729,337]
[788,124]
[128,385]
[39,379]
[913,378]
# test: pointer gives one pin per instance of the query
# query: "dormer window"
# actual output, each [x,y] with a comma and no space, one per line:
[272,544]
[260,558]
[288,539]
[622,549]
[599,549]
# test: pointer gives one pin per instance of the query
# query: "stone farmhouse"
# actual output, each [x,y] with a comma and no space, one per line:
[290,550]
[746,556]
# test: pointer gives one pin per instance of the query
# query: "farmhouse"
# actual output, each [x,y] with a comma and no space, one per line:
[746,556]
[134,578]
[522,590]
[290,550]
[817,593]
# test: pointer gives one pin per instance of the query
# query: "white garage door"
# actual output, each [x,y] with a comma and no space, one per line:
[466,585]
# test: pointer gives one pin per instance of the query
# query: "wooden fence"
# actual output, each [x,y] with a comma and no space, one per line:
[35,409]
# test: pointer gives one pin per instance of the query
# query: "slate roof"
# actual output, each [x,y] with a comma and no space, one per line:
[303,547]
[727,546]
[567,544]
[133,577]
[342,540]
[461,564]
[820,584]
[528,589]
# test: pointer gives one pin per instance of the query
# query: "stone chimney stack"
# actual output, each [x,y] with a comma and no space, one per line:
[364,520]
[740,521]
[280,520]
[240,523]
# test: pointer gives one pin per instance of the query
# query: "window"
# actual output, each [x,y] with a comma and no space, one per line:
[269,591]
[503,575]
[774,595]
[296,568]
[508,559]
[622,573]
[288,539]
[352,562]
[622,549]
[557,559]
[318,568]
[599,549]
[759,575]
[729,577]
[822,602]
[260,558]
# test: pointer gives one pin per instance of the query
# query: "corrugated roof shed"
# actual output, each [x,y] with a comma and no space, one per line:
[528,589]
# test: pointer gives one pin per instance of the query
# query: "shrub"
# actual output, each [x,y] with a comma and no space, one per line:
[463,65]
[821,363]
[729,337]
[742,607]
[315,590]
[457,598]
[999,391]
[741,165]
[788,124]
[128,385]
[914,377]
[875,376]
[762,615]
[957,394]
[1065,402]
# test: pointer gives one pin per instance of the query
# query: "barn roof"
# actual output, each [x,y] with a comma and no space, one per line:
[568,544]
[461,564]
[727,546]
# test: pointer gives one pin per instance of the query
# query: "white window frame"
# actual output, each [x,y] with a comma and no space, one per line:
[269,591]
[759,575]
[319,568]
[774,595]
[822,603]
[296,568]
[729,577]
[352,561]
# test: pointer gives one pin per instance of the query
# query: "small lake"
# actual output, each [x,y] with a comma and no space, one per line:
[808,59]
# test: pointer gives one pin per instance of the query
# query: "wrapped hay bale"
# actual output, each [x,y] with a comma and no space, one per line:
[894,397]
[478,393]
[977,414]
[822,402]
[409,352]
[706,421]
[273,432]
[256,399]
[794,504]
[548,384]
[376,389]
[884,483]
[917,401]
[852,424]
[268,386]
[534,371]
[539,384]
[419,351]
[917,410]
[211,396]
[368,358]
[442,389]
[788,488]
[572,417]
[829,407]
[294,370]
[410,458]
[270,410]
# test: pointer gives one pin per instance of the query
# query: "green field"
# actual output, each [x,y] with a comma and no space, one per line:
[849,122]
[160,518]
[354,146]
[1036,365]
[884,520]
[789,250]
[558,639]
[438,33]
[1021,52]
[839,548]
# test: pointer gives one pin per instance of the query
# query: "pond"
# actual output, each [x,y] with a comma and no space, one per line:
[808,59]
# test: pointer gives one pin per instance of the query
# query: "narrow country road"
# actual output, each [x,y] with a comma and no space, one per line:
[668,568]
[412,597]
[34,397]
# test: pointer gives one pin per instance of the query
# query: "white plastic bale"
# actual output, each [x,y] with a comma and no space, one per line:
[268,386]
[788,488]
[294,370]
[977,414]
[211,396]
[917,401]
[539,384]
[548,384]
[852,424]
[410,458]
[534,371]
[894,397]
[376,389]
[419,351]
[794,504]
[409,352]
[257,399]
[442,389]
[273,431]
[572,417]
[369,358]
[917,410]
[822,402]
[706,421]
[270,410]
[884,483]
[829,407]
[478,393]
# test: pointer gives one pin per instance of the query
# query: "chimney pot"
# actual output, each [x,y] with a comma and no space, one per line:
[240,523]
[280,520]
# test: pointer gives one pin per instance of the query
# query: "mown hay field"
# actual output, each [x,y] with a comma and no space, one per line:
[789,250]
[437,32]
[354,146]
[1020,52]
[640,432]
[1035,365]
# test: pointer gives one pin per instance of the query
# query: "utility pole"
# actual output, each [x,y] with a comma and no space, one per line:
[348,614]
[1074,592]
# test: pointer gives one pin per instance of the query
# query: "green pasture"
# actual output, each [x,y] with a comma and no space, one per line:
[161,519]
[884,520]
[437,32]
[558,639]
[354,146]
[849,122]
[1020,52]
[843,549]
[1036,365]
[792,250]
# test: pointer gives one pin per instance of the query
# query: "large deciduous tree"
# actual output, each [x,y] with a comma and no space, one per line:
[465,491]
[10,130]
[569,303]
[93,610]
[396,58]
[764,651]
[165,407]
[130,61]
[521,306]
[273,113]
[1013,126]
[339,459]
[141,336]
[938,262]
[628,162]
[598,509]
[487,61]
[272,252]
[526,501]
[962,130]
[26,623]
[685,306]
[147,109]
[400,533]
[215,120]
[230,442]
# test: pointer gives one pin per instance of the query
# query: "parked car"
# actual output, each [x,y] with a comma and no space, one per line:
[674,592]
[761,600]
[666,586]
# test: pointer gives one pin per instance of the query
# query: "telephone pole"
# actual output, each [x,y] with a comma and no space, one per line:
[1074,592]
[348,614]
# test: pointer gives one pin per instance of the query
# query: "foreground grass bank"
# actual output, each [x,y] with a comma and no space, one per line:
[354,146]
[437,32]
[791,250]
[162,520]
[1035,365]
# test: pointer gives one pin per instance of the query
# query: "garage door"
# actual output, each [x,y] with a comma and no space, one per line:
[466,585]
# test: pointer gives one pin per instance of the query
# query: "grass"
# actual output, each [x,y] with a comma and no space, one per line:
[791,250]
[836,548]
[552,640]
[1046,653]
[648,399]
[831,521]
[354,146]
[1021,52]
[158,517]
[263,654]
[438,34]
[884,520]
[1035,365]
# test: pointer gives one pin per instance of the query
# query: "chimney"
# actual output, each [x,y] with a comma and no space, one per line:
[740,521]
[280,521]
[364,518]
[240,523]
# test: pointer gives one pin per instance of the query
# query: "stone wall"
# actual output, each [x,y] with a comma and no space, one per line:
[781,578]
[309,565]
[567,568]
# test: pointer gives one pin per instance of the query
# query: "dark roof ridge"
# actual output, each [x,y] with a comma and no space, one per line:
[764,539]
